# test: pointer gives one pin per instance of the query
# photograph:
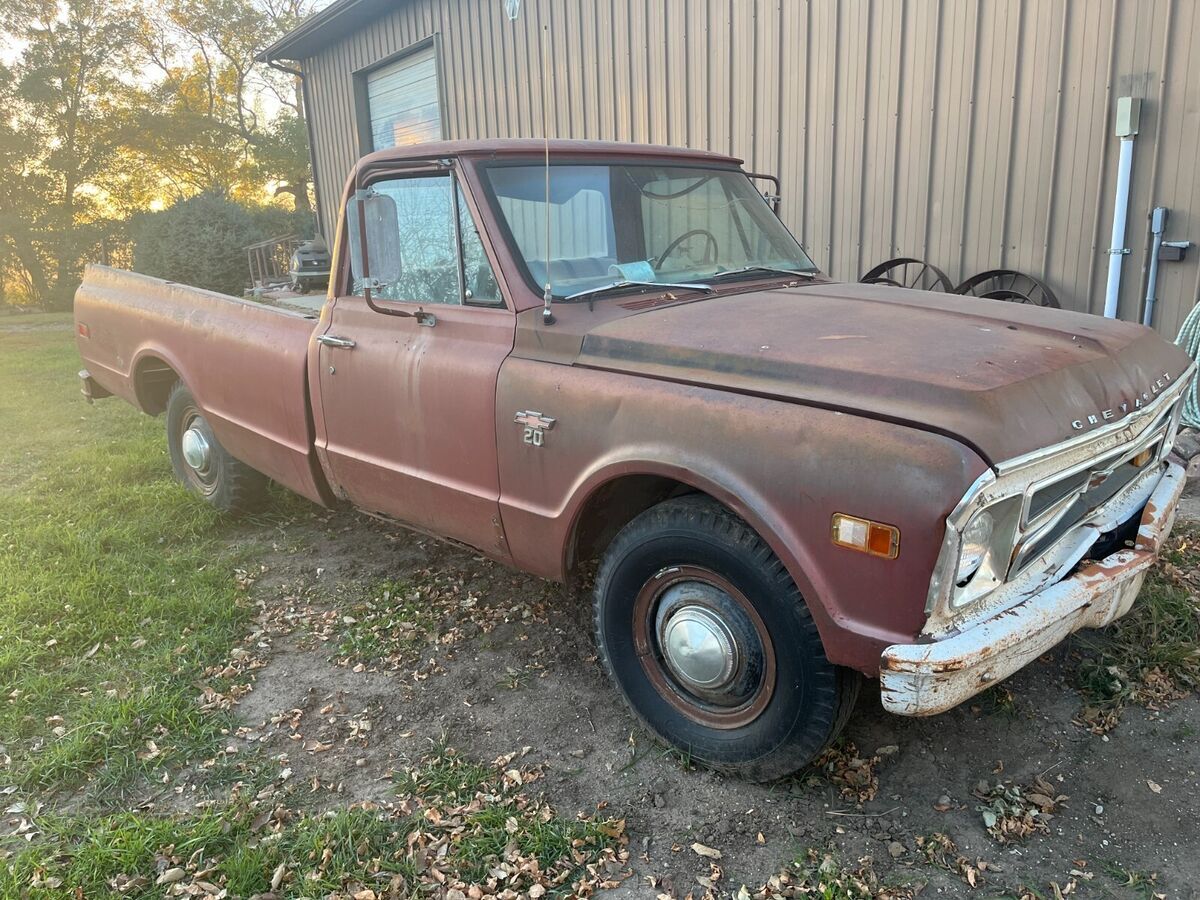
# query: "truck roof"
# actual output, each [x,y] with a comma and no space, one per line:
[533,146]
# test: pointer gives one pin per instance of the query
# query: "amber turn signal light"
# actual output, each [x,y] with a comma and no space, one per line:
[867,536]
[1142,458]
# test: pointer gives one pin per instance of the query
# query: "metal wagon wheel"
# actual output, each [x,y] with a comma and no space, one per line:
[1010,285]
[908,272]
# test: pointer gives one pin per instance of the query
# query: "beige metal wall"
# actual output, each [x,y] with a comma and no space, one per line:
[973,133]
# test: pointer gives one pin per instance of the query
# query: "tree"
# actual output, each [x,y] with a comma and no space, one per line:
[58,145]
[111,107]
[208,117]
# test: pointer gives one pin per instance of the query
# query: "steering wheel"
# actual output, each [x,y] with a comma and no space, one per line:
[710,244]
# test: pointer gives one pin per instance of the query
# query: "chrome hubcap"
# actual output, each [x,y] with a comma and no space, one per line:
[699,648]
[196,450]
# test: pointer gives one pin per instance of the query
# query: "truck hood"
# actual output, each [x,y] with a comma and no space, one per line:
[1003,378]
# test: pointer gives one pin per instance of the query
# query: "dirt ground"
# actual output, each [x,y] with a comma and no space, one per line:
[513,669]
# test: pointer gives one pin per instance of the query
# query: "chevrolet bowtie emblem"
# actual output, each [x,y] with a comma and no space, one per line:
[535,424]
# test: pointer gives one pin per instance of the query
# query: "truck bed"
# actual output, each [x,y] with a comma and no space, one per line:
[246,364]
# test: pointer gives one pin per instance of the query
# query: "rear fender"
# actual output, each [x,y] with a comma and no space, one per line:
[141,357]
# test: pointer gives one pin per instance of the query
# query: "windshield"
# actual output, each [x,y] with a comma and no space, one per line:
[639,223]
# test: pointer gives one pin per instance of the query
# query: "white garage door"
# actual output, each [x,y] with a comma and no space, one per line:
[403,100]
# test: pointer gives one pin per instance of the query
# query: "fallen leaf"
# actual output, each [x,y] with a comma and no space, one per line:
[1157,788]
[170,876]
[707,852]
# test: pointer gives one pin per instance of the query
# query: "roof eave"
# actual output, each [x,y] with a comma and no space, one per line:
[323,28]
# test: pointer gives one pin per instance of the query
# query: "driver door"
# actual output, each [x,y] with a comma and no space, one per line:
[408,406]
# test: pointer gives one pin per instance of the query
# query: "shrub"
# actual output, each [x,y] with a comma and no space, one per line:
[201,241]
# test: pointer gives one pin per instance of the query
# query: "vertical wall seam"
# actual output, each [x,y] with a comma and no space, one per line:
[831,234]
[732,86]
[779,106]
[972,97]
[1100,179]
[933,121]
[864,144]
[1012,134]
[1054,145]
[1162,103]
[668,136]
[1152,193]
[806,219]
[897,122]
[666,90]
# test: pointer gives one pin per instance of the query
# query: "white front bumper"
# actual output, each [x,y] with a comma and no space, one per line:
[929,678]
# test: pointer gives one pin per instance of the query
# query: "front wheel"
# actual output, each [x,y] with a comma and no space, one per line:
[712,646]
[202,464]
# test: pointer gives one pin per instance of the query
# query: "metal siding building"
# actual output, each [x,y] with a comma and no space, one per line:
[975,135]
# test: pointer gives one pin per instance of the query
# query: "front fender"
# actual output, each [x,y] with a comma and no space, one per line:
[784,468]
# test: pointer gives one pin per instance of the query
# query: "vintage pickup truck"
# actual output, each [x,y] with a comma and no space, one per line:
[622,355]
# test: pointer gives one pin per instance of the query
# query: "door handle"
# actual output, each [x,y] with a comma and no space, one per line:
[330,341]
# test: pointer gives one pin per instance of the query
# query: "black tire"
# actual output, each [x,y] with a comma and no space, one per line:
[224,482]
[690,552]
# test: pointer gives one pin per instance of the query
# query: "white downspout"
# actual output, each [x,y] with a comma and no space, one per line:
[1128,109]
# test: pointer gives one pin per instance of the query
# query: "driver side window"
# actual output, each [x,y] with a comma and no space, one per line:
[412,252]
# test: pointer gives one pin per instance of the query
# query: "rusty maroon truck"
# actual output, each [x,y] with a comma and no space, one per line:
[624,356]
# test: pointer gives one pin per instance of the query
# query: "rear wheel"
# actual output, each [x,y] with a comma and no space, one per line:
[713,647]
[202,464]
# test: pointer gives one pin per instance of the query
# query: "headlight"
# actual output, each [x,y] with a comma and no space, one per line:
[976,540]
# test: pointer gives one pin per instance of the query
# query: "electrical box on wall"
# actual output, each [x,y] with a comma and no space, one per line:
[1129,109]
[1173,251]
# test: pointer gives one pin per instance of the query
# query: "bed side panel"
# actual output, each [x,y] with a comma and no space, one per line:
[246,364]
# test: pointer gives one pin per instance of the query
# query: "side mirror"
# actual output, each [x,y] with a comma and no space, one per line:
[773,197]
[372,216]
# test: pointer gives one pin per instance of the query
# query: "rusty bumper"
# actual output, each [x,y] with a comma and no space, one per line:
[90,388]
[924,679]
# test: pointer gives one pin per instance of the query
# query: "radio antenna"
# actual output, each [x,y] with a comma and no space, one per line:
[547,294]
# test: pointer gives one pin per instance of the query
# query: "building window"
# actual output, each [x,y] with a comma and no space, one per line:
[403,100]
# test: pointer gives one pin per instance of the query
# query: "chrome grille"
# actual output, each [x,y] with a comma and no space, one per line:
[1055,508]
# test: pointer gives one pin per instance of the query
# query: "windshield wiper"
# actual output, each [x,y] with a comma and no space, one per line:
[624,283]
[772,270]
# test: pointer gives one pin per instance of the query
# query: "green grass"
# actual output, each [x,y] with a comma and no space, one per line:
[320,854]
[117,592]
[500,826]
[823,876]
[391,625]
[1132,883]
[495,822]
[117,585]
[465,816]
[34,319]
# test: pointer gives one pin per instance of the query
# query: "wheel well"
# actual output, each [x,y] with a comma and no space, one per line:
[613,506]
[152,381]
